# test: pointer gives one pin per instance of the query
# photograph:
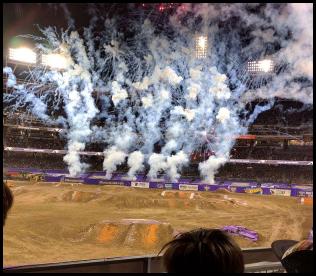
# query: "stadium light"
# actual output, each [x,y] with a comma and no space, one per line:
[200,46]
[260,66]
[55,61]
[24,55]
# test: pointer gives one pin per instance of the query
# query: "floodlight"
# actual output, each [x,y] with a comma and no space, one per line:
[201,46]
[55,61]
[260,66]
[265,65]
[24,55]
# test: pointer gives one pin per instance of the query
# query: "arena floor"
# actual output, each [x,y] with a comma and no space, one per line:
[54,222]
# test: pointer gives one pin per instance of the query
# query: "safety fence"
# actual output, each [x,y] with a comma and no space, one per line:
[183,184]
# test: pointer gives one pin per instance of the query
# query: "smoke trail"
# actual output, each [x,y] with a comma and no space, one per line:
[175,163]
[135,162]
[157,163]
[209,167]
[159,102]
[112,158]
[11,82]
[258,109]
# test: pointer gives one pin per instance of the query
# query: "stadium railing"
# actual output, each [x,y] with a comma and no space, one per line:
[256,259]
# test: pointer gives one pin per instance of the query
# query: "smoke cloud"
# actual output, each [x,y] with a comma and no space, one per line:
[157,99]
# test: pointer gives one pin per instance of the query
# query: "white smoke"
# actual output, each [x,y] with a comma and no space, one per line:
[112,158]
[135,162]
[157,163]
[11,81]
[119,94]
[209,167]
[189,114]
[193,91]
[169,75]
[147,101]
[152,89]
[73,158]
[175,163]
[223,114]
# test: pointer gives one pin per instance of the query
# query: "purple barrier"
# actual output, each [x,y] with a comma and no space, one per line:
[118,176]
[206,187]
[240,189]
[91,181]
[173,186]
[113,182]
[97,173]
[184,184]
[56,171]
[94,181]
[302,193]
[276,185]
[196,181]
[184,180]
[156,185]
[141,177]
[72,179]
[265,191]
[127,183]
[52,178]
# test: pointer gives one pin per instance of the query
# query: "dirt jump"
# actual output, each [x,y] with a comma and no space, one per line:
[56,222]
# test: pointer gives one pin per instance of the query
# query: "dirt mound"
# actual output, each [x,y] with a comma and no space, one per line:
[79,196]
[177,194]
[222,191]
[165,199]
[134,233]
[18,190]
[142,201]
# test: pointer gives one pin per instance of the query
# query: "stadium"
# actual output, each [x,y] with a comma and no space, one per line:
[127,124]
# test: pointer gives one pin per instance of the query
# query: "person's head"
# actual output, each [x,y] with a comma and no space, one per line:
[7,201]
[203,250]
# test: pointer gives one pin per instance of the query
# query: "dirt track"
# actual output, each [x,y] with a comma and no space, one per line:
[63,222]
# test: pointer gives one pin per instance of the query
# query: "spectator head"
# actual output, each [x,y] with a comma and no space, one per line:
[7,201]
[203,250]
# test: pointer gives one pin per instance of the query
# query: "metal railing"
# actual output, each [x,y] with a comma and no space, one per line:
[260,260]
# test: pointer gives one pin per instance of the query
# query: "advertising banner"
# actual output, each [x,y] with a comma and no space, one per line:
[140,184]
[206,187]
[253,191]
[110,182]
[282,192]
[187,187]
[73,179]
[168,186]
[304,193]
[95,178]
[240,184]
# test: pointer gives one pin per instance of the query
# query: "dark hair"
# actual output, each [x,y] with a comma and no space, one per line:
[7,201]
[203,250]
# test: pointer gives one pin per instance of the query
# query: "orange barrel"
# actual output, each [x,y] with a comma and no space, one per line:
[307,200]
